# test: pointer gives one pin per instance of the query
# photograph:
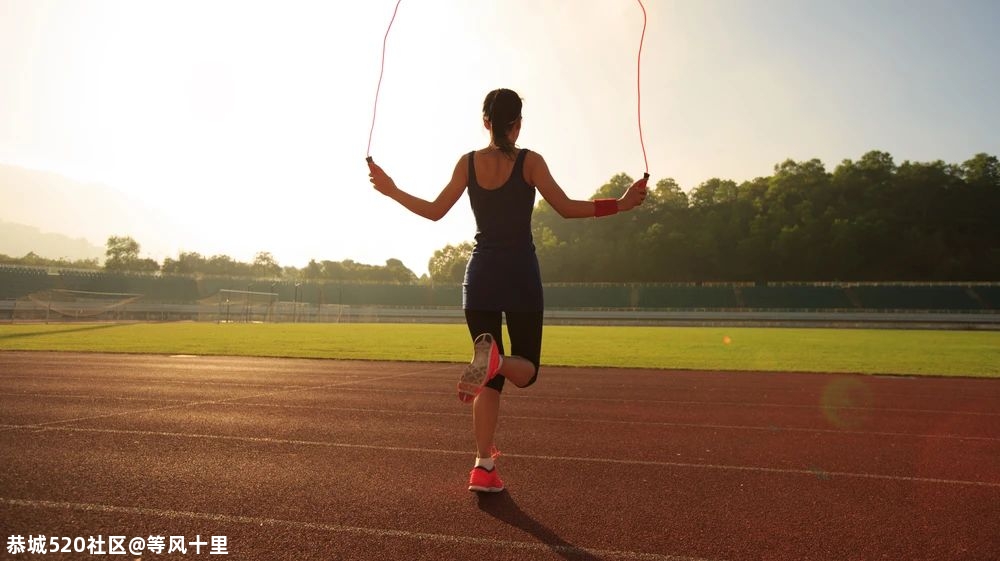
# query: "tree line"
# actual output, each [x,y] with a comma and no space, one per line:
[867,220]
[265,265]
[122,255]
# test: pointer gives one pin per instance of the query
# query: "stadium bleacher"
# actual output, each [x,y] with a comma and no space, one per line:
[687,297]
[988,295]
[17,282]
[915,297]
[796,297]
[568,296]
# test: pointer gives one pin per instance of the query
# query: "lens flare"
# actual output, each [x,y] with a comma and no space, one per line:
[845,403]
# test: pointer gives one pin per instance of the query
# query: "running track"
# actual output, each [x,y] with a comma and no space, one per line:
[324,460]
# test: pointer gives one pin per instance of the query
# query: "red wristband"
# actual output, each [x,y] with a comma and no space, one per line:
[605,207]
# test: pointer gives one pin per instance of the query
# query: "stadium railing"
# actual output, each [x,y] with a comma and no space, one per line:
[167,297]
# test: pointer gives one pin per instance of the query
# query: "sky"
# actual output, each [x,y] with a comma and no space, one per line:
[242,126]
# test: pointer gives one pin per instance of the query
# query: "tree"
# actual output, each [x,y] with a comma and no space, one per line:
[264,265]
[224,265]
[447,265]
[34,260]
[313,270]
[122,254]
[713,192]
[187,263]
[398,272]
[983,171]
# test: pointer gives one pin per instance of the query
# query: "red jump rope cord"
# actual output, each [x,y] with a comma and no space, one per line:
[378,88]
[638,88]
[638,84]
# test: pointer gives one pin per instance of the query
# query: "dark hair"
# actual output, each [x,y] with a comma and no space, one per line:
[502,108]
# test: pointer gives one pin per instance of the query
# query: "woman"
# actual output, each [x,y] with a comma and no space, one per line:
[502,276]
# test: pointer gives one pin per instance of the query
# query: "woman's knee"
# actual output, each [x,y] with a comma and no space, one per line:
[532,380]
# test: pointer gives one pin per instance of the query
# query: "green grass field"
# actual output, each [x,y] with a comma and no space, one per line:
[942,353]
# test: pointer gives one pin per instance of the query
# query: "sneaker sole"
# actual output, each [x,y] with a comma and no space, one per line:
[474,376]
[479,489]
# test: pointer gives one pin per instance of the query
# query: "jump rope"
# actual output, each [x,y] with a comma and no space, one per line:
[638,86]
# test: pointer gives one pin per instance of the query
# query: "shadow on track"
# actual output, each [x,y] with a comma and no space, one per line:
[56,331]
[503,507]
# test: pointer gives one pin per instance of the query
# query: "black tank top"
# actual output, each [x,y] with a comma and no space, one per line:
[503,272]
[503,215]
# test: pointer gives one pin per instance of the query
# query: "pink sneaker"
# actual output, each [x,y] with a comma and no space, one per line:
[485,364]
[482,481]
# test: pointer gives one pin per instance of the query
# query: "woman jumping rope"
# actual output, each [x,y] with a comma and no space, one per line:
[502,277]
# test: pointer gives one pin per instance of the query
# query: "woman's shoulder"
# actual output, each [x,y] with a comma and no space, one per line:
[532,159]
[493,151]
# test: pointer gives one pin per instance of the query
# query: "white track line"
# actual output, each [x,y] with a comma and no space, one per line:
[685,403]
[536,396]
[223,362]
[403,449]
[149,380]
[89,397]
[212,402]
[234,402]
[380,533]
[229,370]
[520,396]
[789,388]
[770,428]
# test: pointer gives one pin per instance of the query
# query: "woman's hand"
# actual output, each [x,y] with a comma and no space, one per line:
[380,180]
[634,197]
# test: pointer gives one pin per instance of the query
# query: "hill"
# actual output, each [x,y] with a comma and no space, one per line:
[55,216]
[17,240]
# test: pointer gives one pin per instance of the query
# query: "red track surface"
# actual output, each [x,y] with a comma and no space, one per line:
[305,459]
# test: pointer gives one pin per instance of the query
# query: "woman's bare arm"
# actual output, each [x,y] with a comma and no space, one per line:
[537,173]
[431,210]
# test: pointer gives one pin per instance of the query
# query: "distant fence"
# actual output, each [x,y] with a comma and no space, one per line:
[14,311]
[172,297]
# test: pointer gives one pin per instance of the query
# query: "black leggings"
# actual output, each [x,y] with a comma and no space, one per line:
[524,328]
